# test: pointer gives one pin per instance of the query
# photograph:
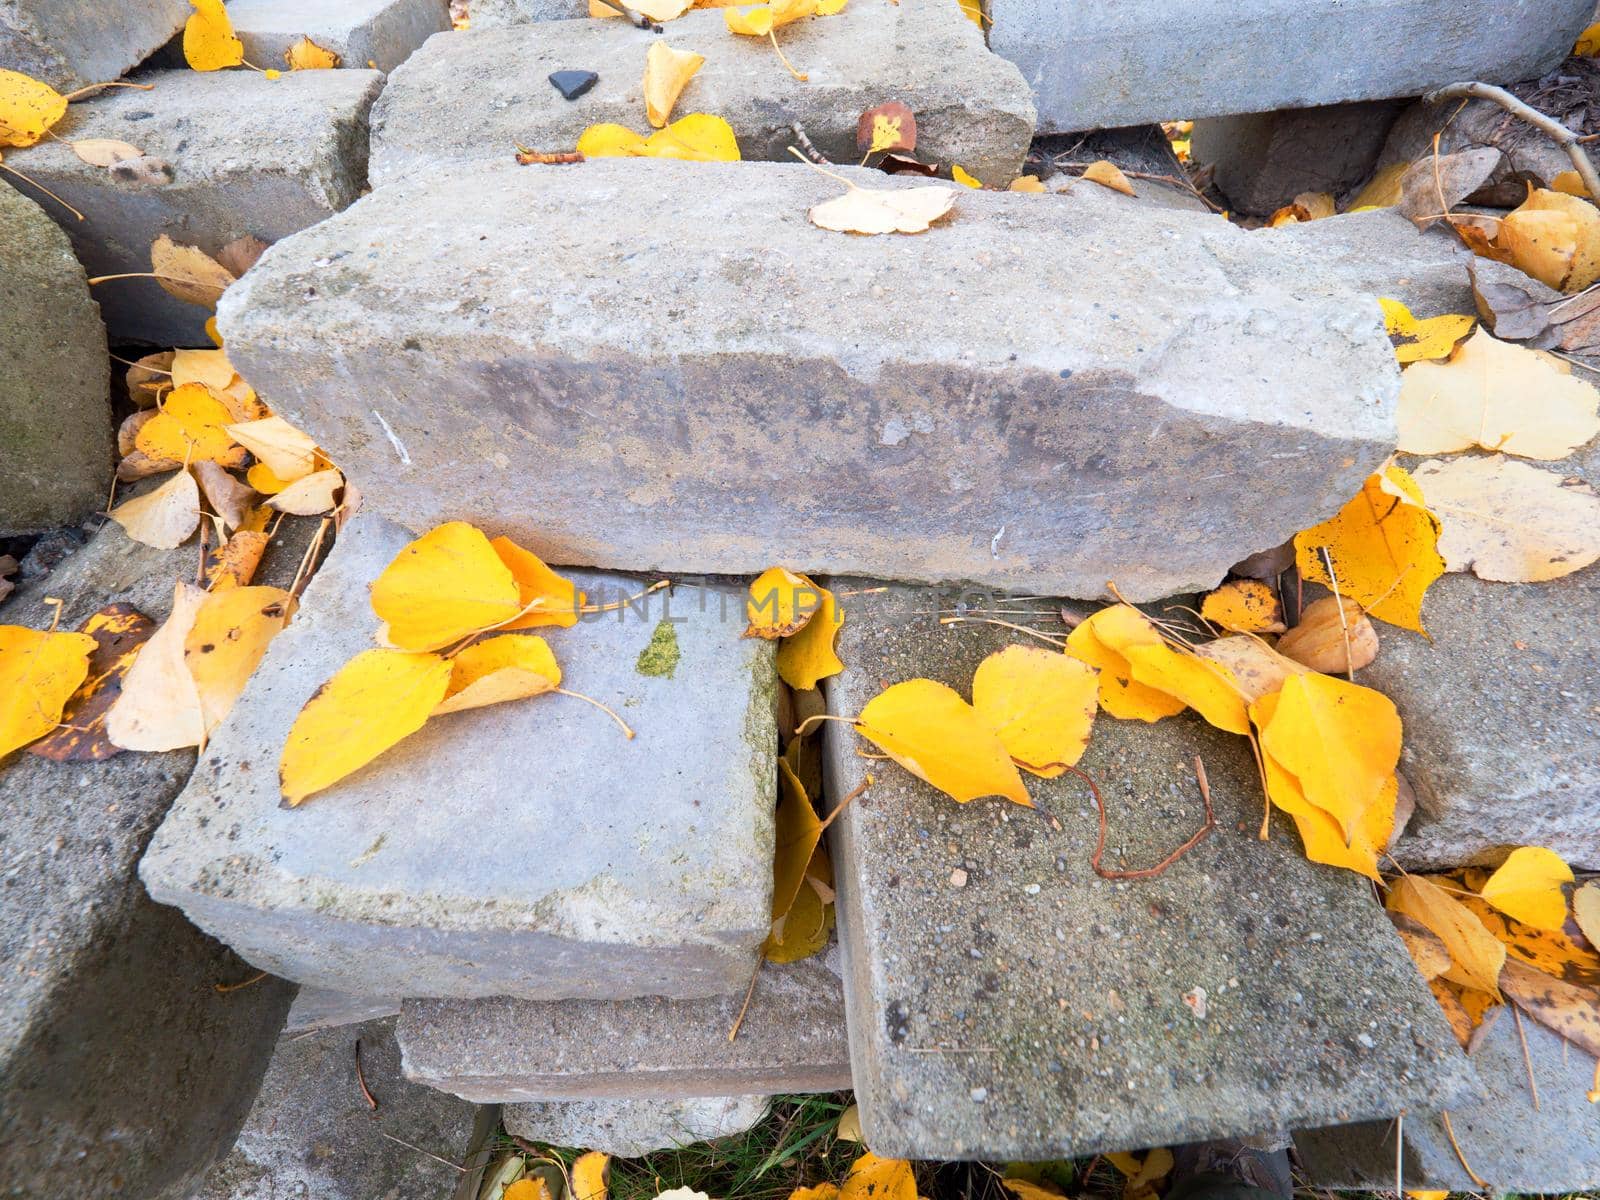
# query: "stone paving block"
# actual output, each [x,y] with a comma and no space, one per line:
[1004,1002]
[634,1128]
[234,171]
[1264,160]
[742,386]
[496,14]
[1513,1144]
[375,34]
[502,1050]
[72,45]
[313,1134]
[525,849]
[1098,63]
[319,1008]
[480,94]
[121,1066]
[55,406]
[1381,253]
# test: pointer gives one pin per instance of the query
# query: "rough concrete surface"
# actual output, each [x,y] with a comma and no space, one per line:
[375,34]
[1512,1143]
[70,46]
[1381,253]
[523,849]
[1264,160]
[319,1008]
[1098,63]
[122,1069]
[743,387]
[313,1134]
[634,1128]
[55,406]
[1006,1002]
[478,95]
[495,14]
[234,171]
[514,1051]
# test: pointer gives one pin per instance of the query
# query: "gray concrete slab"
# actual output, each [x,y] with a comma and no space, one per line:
[70,46]
[634,1128]
[374,34]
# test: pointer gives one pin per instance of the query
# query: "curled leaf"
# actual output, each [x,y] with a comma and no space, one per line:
[781,603]
[188,272]
[306,55]
[666,73]
[1108,175]
[508,667]
[808,656]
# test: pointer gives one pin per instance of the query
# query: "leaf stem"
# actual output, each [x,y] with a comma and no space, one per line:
[603,708]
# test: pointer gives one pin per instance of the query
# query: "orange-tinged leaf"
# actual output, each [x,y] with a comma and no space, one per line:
[806,657]
[1540,242]
[1527,886]
[1108,175]
[222,648]
[1041,703]
[191,426]
[264,479]
[1558,952]
[1569,1009]
[1244,606]
[589,1175]
[234,564]
[823,1191]
[529,1187]
[1334,636]
[698,137]
[874,1178]
[1455,1012]
[780,604]
[546,597]
[1120,695]
[119,631]
[887,126]
[666,73]
[1476,955]
[964,177]
[799,831]
[208,40]
[1384,545]
[1580,247]
[447,584]
[1027,1189]
[28,108]
[163,517]
[159,708]
[309,496]
[512,666]
[39,672]
[378,698]
[1415,340]
[1427,951]
[306,55]
[1340,740]
[936,735]
[286,452]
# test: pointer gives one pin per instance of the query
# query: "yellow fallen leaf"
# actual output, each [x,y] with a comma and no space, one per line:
[804,930]
[1507,521]
[1427,951]
[1586,911]
[263,479]
[287,453]
[1588,44]
[781,603]
[1027,1189]
[1204,685]
[188,272]
[1257,669]
[960,175]
[1498,396]
[306,55]
[1041,703]
[208,367]
[610,140]
[191,426]
[1340,740]
[1555,237]
[1476,956]
[28,108]
[936,735]
[1383,545]
[234,565]
[442,587]
[1527,886]
[666,73]
[1120,694]
[1142,1174]
[230,633]
[1329,642]
[378,698]
[104,152]
[1108,175]
[310,496]
[698,137]
[39,672]
[1027,183]
[1426,1194]
[160,708]
[754,20]
[1571,1010]
[589,1174]
[1244,606]
[208,40]
[529,1187]
[848,1129]
[544,597]
[806,657]
[822,1191]
[799,830]
[656,10]
[1547,950]
[883,210]
[512,666]
[1569,182]
[874,1178]
[1414,340]
[1308,206]
[164,517]
[1382,190]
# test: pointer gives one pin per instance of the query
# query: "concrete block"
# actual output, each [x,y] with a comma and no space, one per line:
[234,170]
[121,1065]
[319,1008]
[55,404]
[1514,1143]
[374,34]
[478,95]
[1006,1002]
[518,1051]
[634,1128]
[312,1133]
[70,46]
[1264,160]
[497,14]
[1097,63]
[742,386]
[526,849]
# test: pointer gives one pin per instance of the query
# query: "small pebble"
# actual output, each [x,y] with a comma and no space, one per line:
[958,878]
[572,84]
[979,1095]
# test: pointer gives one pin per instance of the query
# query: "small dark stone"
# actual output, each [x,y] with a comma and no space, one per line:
[573,84]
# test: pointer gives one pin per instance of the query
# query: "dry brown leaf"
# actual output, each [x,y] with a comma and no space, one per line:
[1324,642]
[234,563]
[1257,668]
[883,210]
[1570,1009]
[119,631]
[159,708]
[163,517]
[239,255]
[104,152]
[188,272]
[1434,185]
[229,499]
[148,378]
[1425,947]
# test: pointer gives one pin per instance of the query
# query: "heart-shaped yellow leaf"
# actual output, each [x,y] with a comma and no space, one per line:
[874,1178]
[1244,606]
[208,40]
[781,603]
[160,708]
[1041,703]
[164,517]
[444,586]
[936,735]
[808,656]
[1108,175]
[224,645]
[698,137]
[191,426]
[589,1174]
[1527,886]
[610,140]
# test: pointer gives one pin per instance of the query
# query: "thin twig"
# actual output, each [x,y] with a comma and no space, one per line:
[810,150]
[1338,600]
[1527,1059]
[748,995]
[1399,1155]
[839,807]
[1548,125]
[1456,1146]
[224,988]
[428,1153]
[1147,872]
[361,1080]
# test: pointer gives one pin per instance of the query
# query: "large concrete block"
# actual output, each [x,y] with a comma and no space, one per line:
[319,1008]
[375,34]
[55,405]
[634,1128]
[71,45]
[312,1133]
[495,14]
[736,386]
[1515,1141]
[121,1065]
[1004,1001]
[502,1050]
[246,154]
[1095,63]
[525,849]
[479,95]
